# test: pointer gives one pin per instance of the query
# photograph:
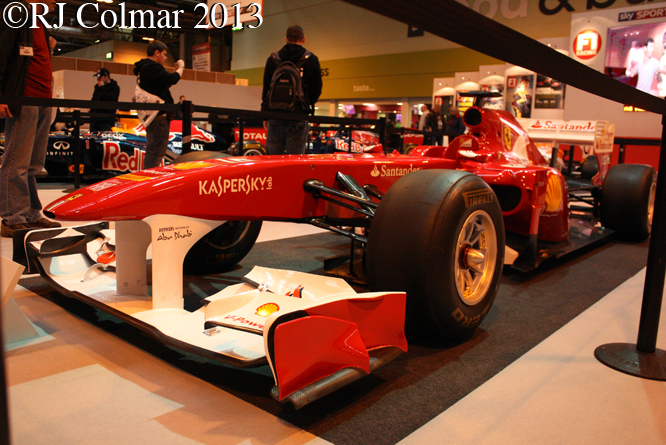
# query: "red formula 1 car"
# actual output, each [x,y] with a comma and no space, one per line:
[439,224]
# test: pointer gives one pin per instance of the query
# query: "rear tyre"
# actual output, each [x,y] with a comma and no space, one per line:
[627,200]
[197,155]
[253,148]
[589,167]
[225,246]
[439,236]
[407,149]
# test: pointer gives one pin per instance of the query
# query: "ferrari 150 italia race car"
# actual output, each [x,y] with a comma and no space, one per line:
[121,150]
[438,224]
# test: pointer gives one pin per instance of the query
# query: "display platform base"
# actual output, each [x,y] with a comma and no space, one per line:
[626,358]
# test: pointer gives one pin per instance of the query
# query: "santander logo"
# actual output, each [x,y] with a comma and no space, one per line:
[587,44]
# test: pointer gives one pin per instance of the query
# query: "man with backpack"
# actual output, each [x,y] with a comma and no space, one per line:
[292,84]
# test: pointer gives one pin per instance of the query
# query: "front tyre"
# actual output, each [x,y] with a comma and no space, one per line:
[226,245]
[222,248]
[439,236]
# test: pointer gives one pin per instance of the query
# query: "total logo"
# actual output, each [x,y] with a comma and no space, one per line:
[253,135]
[390,171]
[587,44]
[235,185]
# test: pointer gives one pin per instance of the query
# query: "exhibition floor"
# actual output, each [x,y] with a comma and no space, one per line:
[528,376]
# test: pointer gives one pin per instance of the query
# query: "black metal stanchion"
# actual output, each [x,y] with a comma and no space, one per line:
[76,148]
[186,109]
[382,134]
[620,156]
[241,134]
[644,359]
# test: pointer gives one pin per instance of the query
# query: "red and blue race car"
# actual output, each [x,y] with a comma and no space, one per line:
[121,150]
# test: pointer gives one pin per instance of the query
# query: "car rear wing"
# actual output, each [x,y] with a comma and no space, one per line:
[593,137]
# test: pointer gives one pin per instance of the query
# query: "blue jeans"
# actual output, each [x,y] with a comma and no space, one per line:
[157,141]
[286,137]
[27,135]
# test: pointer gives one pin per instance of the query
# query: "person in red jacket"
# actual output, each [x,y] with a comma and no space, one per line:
[25,71]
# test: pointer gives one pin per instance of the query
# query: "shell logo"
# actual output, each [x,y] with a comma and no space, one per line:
[267,309]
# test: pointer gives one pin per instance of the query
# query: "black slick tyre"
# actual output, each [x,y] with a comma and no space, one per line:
[627,200]
[222,248]
[439,236]
[253,148]
[225,246]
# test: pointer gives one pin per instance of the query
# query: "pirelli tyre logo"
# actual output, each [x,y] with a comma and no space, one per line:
[478,197]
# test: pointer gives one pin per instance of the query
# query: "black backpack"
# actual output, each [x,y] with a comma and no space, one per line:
[286,89]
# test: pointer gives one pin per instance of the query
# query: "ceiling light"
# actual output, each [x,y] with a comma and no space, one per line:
[150,39]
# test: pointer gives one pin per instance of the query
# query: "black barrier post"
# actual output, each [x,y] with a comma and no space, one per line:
[644,359]
[382,133]
[76,142]
[620,155]
[186,109]
[241,135]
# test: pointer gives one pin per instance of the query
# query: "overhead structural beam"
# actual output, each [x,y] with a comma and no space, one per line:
[462,25]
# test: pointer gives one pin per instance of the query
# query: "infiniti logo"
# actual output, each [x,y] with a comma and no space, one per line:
[61,145]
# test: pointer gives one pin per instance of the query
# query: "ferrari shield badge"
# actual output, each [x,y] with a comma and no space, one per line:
[507,138]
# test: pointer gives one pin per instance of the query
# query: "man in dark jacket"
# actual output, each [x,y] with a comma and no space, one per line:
[286,136]
[156,80]
[106,90]
[25,70]
[456,124]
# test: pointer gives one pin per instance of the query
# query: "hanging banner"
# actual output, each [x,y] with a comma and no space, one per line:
[201,57]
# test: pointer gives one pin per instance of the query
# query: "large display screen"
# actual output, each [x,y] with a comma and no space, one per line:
[636,55]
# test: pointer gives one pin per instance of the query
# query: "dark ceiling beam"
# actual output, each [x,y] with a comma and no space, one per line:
[453,21]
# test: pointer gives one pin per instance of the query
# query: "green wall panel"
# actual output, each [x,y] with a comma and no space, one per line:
[391,75]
